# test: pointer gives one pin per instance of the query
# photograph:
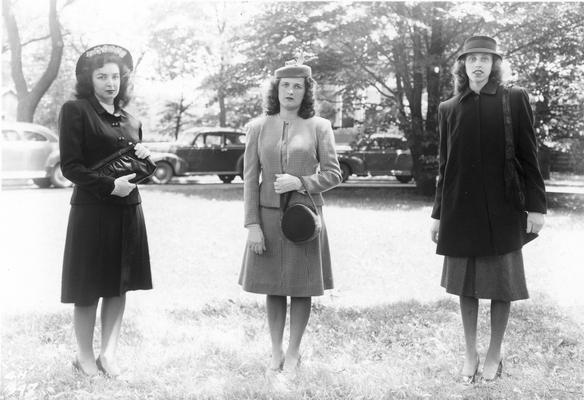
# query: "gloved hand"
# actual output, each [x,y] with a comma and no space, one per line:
[255,239]
[122,186]
[141,150]
[287,183]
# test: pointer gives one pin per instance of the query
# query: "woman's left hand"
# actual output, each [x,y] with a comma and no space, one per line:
[535,222]
[141,150]
[286,183]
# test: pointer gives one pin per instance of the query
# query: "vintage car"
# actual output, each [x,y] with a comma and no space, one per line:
[379,154]
[200,151]
[31,151]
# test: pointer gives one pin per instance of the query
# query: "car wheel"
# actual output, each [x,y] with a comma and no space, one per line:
[345,171]
[226,178]
[163,173]
[404,178]
[43,183]
[57,178]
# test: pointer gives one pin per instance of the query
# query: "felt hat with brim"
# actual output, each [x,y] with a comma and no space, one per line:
[479,44]
[101,49]
[294,71]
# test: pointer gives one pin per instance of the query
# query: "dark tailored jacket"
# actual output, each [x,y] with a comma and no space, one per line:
[88,134]
[476,219]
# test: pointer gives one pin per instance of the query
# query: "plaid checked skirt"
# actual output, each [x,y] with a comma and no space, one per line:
[285,268]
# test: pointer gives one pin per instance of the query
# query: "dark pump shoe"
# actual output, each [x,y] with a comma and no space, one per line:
[497,374]
[470,379]
[77,367]
[101,368]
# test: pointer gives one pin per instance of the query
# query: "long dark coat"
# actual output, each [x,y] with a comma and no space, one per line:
[476,218]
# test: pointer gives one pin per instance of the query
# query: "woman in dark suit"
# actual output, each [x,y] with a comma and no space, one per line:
[106,249]
[288,150]
[478,228]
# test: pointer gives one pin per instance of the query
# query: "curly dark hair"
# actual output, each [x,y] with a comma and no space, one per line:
[84,86]
[307,107]
[461,79]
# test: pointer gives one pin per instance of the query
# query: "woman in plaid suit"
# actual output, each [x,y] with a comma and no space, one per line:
[287,146]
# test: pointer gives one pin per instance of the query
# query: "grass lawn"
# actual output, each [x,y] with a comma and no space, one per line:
[387,330]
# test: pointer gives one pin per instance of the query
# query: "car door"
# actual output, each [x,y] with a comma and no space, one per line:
[216,157]
[233,148]
[187,148]
[379,157]
[38,149]
[201,156]
[12,149]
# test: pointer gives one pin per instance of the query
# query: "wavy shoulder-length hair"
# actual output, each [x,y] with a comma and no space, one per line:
[461,79]
[84,87]
[307,107]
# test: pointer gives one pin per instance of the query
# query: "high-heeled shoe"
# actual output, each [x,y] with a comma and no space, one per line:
[279,368]
[104,371]
[497,374]
[470,379]
[78,368]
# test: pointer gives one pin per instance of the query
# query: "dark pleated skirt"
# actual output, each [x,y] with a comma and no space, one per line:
[494,277]
[106,253]
[285,268]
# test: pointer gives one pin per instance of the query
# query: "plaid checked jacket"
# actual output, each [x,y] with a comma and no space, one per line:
[303,148]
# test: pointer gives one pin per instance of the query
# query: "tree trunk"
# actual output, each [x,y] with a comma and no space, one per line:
[29,100]
[421,152]
[222,110]
[178,119]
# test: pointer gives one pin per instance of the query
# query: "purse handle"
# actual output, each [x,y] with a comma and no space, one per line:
[509,145]
[288,195]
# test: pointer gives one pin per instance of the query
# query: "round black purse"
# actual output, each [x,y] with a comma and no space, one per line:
[300,221]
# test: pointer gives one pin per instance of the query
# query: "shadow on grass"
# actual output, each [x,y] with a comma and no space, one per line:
[405,350]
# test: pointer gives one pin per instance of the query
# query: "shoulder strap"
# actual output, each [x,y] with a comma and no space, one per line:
[509,144]
[287,196]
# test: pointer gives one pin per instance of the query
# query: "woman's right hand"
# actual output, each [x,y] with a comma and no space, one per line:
[122,185]
[434,230]
[255,239]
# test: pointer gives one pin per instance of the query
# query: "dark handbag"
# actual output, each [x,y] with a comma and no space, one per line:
[124,162]
[300,221]
[513,171]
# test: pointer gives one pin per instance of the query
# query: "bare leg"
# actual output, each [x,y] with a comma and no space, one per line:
[469,309]
[499,318]
[276,308]
[84,324]
[112,311]
[299,314]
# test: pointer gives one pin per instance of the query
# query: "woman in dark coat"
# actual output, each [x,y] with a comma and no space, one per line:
[288,150]
[106,249]
[476,225]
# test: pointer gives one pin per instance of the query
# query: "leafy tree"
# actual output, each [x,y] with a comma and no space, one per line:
[544,44]
[29,97]
[405,50]
[199,44]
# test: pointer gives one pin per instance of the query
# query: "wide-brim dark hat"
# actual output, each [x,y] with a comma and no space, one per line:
[100,49]
[480,44]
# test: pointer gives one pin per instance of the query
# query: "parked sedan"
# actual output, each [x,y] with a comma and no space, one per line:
[380,154]
[31,151]
[200,151]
